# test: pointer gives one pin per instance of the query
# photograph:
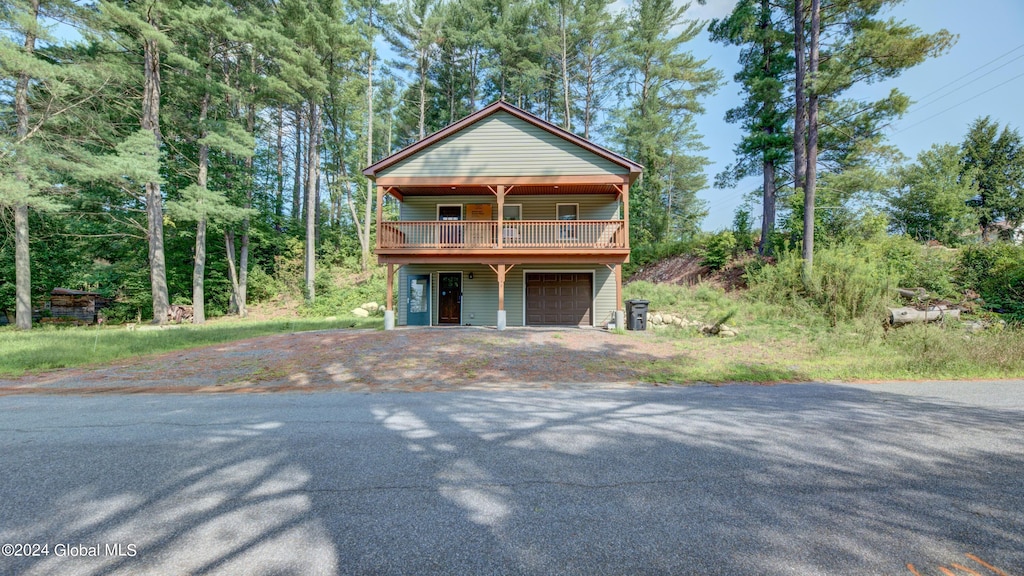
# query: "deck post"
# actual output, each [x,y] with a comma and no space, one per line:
[500,194]
[502,319]
[620,312]
[625,224]
[389,313]
[380,212]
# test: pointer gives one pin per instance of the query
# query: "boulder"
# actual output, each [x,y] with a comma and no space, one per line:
[677,321]
[361,313]
[370,307]
[656,319]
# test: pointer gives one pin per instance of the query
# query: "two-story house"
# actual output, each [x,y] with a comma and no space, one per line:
[504,220]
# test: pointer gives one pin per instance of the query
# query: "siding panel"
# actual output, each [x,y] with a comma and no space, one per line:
[540,207]
[503,145]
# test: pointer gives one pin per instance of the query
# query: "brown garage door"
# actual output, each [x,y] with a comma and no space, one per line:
[558,299]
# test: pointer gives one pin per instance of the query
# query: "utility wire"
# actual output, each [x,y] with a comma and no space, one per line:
[921,105]
[972,72]
[962,102]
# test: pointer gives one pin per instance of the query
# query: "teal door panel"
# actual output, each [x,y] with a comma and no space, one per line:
[418,311]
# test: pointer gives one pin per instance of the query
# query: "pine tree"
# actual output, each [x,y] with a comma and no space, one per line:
[993,161]
[847,44]
[414,36]
[767,61]
[44,92]
[655,124]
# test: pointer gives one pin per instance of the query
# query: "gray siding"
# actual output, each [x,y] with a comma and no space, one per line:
[503,145]
[538,207]
[480,295]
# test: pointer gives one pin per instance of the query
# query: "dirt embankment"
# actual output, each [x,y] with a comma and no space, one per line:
[687,270]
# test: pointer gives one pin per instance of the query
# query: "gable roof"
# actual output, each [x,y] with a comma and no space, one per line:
[628,166]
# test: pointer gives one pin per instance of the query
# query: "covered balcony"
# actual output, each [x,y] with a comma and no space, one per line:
[568,236]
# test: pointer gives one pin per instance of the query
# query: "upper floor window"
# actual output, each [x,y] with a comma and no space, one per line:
[567,211]
[449,212]
[512,212]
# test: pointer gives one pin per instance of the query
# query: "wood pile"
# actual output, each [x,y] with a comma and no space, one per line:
[177,313]
[923,308]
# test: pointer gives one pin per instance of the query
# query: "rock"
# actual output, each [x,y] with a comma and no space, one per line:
[677,321]
[974,326]
[727,333]
[656,319]
[370,307]
[361,313]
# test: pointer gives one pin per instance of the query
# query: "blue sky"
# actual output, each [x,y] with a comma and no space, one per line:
[986,30]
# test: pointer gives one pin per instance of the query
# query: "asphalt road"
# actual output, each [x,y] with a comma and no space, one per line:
[733,480]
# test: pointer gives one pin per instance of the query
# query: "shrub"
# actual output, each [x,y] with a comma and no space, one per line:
[845,284]
[339,290]
[262,286]
[719,248]
[996,272]
[914,265]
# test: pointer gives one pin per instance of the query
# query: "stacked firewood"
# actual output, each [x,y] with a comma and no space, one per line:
[179,314]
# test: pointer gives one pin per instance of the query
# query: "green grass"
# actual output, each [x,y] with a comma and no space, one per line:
[48,348]
[780,343]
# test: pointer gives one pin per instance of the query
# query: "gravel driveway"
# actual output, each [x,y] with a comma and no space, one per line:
[415,359]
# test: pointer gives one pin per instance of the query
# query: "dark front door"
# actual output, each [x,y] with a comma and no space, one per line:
[449,303]
[418,313]
[558,299]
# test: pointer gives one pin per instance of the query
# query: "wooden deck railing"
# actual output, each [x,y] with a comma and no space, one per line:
[520,234]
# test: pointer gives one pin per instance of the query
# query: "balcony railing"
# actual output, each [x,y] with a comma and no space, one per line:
[528,234]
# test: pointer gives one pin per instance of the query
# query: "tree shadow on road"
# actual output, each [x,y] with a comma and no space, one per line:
[807,479]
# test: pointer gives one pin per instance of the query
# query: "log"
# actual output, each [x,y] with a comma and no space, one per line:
[908,315]
[913,293]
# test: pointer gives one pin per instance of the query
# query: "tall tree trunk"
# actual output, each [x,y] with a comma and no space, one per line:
[199,264]
[22,259]
[364,238]
[768,209]
[243,259]
[565,68]
[768,185]
[229,248]
[812,143]
[472,79]
[311,170]
[800,111]
[154,199]
[589,99]
[279,204]
[297,183]
[423,95]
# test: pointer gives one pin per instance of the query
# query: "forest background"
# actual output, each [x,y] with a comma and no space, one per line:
[210,153]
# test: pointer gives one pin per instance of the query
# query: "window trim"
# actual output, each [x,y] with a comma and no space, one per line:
[559,205]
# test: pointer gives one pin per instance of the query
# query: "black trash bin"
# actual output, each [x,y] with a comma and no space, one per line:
[636,314]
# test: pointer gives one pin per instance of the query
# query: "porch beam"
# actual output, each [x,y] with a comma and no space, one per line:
[508,180]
